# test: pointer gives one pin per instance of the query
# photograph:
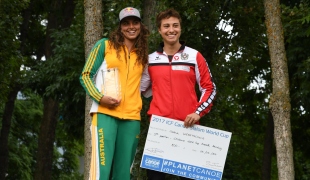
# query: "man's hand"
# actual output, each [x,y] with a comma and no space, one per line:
[191,119]
[109,102]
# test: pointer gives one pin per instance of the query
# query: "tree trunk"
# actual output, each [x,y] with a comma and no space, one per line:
[150,10]
[93,32]
[5,131]
[149,14]
[60,16]
[46,140]
[280,99]
[267,155]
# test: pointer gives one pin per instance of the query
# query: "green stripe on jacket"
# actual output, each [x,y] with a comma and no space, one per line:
[90,69]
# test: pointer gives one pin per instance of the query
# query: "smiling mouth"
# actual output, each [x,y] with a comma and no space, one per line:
[171,35]
[131,32]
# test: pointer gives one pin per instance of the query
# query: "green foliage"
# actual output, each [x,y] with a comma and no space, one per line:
[9,46]
[238,59]
[69,58]
[24,132]
[25,50]
[67,153]
[58,77]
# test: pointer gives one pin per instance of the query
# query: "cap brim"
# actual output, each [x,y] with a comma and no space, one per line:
[130,16]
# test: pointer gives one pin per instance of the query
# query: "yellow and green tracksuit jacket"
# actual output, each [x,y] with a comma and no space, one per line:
[102,57]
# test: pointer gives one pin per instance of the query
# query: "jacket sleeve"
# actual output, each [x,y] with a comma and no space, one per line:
[206,86]
[145,85]
[93,62]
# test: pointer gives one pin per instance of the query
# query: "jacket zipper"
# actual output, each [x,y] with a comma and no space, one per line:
[128,65]
[170,63]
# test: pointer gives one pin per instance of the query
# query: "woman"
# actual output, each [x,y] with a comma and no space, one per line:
[173,71]
[116,106]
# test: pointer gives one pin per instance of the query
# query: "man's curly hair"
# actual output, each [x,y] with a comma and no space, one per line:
[117,39]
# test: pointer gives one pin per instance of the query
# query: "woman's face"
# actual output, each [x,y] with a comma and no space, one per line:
[170,30]
[130,28]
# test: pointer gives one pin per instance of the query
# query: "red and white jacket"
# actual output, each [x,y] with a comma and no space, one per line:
[173,83]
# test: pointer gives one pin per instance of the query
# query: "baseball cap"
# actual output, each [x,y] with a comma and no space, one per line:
[129,11]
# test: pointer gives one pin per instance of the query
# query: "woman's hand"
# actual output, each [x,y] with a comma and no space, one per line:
[109,102]
[191,119]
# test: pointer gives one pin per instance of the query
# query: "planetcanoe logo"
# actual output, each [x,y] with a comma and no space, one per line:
[151,162]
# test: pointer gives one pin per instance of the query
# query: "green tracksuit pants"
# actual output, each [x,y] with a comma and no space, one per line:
[114,143]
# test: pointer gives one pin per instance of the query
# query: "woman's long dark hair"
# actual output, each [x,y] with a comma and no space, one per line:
[117,41]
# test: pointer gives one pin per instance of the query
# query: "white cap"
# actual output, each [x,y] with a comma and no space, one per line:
[129,11]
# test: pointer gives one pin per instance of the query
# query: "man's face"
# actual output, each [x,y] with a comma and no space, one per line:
[170,30]
[130,27]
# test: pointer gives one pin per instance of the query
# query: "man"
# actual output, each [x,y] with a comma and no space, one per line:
[173,71]
[116,64]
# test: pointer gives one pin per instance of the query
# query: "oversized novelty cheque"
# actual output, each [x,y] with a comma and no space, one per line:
[197,152]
